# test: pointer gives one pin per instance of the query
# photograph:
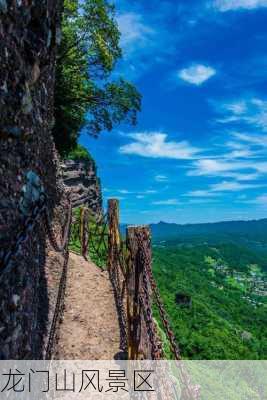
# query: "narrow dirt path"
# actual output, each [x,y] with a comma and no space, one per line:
[90,328]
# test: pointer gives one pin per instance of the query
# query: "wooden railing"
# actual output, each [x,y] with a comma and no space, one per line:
[129,263]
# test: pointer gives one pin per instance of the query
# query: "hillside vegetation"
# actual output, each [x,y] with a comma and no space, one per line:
[215,295]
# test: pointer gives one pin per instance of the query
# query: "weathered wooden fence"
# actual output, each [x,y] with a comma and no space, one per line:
[129,262]
[143,342]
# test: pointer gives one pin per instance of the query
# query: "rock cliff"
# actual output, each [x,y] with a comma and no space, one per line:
[29,36]
[80,177]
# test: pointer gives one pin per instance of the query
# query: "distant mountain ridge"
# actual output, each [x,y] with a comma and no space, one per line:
[173,230]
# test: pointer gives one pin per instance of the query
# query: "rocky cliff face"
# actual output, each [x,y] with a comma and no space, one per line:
[29,35]
[80,177]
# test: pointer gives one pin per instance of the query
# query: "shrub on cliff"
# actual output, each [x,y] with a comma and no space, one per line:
[85,95]
[80,153]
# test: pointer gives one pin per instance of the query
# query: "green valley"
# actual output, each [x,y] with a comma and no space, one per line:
[215,291]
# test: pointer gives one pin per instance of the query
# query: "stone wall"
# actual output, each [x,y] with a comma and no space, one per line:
[80,177]
[29,34]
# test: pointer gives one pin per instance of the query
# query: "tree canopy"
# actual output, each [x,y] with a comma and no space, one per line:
[86,96]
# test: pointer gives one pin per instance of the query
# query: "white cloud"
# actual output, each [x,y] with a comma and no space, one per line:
[200,193]
[245,177]
[262,200]
[246,146]
[169,202]
[211,167]
[259,139]
[235,145]
[251,111]
[124,191]
[237,108]
[239,149]
[240,153]
[196,74]
[138,194]
[227,5]
[134,32]
[155,145]
[232,186]
[224,186]
[140,41]
[217,189]
[202,201]
[161,178]
[241,170]
[261,167]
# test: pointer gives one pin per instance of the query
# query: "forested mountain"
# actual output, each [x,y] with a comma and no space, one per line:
[216,297]
[212,278]
[246,228]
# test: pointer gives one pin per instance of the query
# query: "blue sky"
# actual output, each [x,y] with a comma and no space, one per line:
[199,151]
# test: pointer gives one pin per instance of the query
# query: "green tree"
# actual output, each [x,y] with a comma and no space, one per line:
[86,96]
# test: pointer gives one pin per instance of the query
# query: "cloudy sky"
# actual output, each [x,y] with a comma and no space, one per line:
[199,151]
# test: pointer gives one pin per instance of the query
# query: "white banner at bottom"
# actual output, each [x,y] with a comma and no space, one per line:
[117,379]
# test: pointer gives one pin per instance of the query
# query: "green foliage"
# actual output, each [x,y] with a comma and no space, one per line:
[80,153]
[229,380]
[223,311]
[97,248]
[85,97]
[166,347]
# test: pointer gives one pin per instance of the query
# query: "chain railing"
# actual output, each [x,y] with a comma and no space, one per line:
[117,268]
[129,263]
[9,257]
[62,248]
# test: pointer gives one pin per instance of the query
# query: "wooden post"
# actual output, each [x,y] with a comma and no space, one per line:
[84,231]
[138,341]
[81,230]
[114,233]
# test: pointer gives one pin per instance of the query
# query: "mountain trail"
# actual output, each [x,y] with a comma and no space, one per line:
[90,327]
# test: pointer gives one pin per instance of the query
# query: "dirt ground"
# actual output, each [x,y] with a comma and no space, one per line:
[90,328]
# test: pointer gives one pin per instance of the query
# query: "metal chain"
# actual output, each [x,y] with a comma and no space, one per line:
[119,300]
[41,210]
[191,392]
[163,313]
[59,308]
[147,313]
[51,234]
[146,305]
[164,316]
[148,285]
